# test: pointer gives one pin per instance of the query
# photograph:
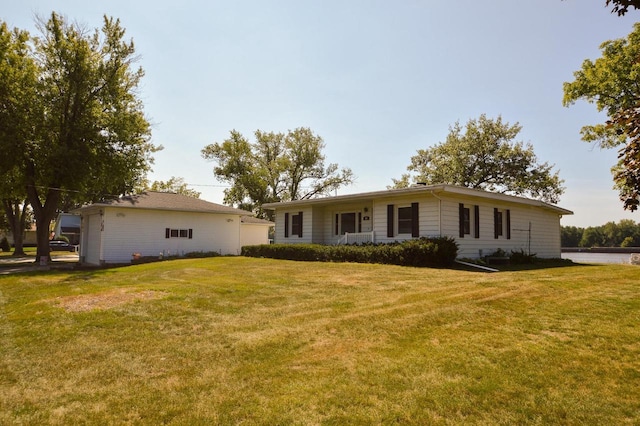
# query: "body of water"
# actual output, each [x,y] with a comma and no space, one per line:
[585,257]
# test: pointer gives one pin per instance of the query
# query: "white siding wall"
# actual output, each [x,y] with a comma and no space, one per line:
[439,216]
[307,226]
[318,226]
[428,212]
[329,229]
[253,234]
[91,244]
[329,218]
[128,231]
[545,229]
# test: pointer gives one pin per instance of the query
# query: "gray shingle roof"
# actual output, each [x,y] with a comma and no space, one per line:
[417,189]
[152,200]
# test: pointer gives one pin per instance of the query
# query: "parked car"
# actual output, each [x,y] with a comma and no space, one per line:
[61,245]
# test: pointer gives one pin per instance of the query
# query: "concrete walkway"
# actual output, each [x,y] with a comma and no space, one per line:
[13,265]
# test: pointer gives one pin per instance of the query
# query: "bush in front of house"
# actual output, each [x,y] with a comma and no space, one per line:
[521,257]
[201,254]
[307,252]
[441,251]
[4,244]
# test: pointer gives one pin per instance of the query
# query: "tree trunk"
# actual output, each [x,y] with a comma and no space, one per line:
[17,219]
[44,214]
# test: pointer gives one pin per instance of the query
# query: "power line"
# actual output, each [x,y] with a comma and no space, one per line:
[210,185]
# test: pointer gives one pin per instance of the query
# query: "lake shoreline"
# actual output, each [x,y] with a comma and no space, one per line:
[620,250]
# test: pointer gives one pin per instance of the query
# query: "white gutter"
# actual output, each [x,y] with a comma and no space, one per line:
[439,212]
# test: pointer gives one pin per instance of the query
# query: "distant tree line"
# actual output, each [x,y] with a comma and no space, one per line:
[625,233]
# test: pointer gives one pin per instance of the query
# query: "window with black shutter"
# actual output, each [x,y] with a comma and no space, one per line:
[465,220]
[476,221]
[296,224]
[415,220]
[497,223]
[404,220]
[286,225]
[178,233]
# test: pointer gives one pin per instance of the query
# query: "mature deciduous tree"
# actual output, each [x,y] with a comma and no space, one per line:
[18,109]
[276,167]
[176,185]
[484,155]
[570,236]
[622,6]
[85,136]
[612,82]
[625,233]
[16,210]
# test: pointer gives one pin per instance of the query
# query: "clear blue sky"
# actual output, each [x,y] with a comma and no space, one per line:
[378,80]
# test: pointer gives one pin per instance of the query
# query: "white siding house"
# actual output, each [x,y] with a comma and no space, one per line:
[254,231]
[480,221]
[160,223]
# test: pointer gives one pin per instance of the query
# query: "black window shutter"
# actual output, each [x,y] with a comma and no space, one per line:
[415,220]
[190,233]
[461,220]
[286,225]
[476,221]
[390,220]
[496,231]
[167,232]
[359,221]
[508,224]
[337,221]
[300,224]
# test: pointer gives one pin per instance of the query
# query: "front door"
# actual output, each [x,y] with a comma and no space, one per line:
[347,223]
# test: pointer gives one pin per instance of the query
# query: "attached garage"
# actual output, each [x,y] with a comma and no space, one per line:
[163,224]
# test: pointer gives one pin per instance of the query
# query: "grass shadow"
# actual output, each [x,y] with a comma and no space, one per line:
[512,267]
[541,264]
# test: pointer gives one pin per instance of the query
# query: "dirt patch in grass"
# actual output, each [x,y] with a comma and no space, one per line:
[105,300]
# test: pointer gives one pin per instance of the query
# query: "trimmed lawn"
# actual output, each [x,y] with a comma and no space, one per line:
[29,251]
[233,340]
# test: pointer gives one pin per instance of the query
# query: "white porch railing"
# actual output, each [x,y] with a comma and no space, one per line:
[357,238]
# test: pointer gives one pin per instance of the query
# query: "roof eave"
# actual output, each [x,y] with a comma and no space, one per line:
[98,206]
[434,189]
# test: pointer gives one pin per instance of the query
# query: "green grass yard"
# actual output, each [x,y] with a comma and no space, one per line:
[29,251]
[234,340]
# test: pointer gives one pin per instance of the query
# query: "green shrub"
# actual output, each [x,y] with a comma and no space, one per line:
[441,251]
[499,253]
[521,257]
[4,244]
[201,254]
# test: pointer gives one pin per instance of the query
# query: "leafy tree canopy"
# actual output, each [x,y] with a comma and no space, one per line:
[621,7]
[625,233]
[484,155]
[72,122]
[276,167]
[175,185]
[612,82]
